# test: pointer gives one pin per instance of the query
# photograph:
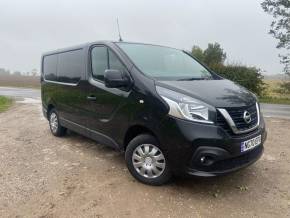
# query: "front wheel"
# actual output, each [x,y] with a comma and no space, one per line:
[146,161]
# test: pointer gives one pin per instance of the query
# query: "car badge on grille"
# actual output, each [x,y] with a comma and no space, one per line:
[247,117]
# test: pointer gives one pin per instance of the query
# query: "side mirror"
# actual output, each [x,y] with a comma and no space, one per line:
[116,79]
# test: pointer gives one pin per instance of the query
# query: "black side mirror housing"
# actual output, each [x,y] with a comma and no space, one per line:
[116,79]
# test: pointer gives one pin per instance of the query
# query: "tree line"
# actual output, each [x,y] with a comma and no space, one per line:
[214,57]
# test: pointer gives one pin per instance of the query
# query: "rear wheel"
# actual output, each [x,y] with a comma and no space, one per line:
[146,161]
[55,127]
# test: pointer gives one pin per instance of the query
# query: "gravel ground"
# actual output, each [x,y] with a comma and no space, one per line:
[45,176]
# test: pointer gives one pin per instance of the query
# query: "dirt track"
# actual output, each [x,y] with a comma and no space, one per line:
[45,176]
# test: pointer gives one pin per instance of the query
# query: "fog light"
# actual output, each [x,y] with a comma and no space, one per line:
[202,159]
[206,160]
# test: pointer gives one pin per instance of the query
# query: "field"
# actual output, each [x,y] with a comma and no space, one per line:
[4,103]
[20,81]
[272,94]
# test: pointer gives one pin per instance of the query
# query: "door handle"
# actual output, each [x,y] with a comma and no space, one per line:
[92,98]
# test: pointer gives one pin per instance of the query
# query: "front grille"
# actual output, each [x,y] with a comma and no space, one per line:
[221,121]
[237,116]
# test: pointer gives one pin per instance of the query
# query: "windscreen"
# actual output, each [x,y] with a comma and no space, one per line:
[164,63]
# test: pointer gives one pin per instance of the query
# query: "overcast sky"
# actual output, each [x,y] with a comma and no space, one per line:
[31,27]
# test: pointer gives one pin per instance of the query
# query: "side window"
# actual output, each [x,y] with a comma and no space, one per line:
[99,58]
[49,67]
[70,66]
[114,62]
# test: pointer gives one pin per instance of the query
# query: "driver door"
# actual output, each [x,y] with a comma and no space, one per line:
[104,105]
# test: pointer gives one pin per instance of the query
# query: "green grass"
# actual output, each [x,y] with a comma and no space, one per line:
[5,103]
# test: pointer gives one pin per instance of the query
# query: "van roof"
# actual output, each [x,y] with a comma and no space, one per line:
[76,47]
[84,45]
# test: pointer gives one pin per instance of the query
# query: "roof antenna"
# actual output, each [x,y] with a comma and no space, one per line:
[120,38]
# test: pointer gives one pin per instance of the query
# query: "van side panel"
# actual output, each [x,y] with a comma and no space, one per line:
[63,90]
[48,73]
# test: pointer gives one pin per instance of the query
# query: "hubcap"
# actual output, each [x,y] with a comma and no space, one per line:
[148,161]
[53,122]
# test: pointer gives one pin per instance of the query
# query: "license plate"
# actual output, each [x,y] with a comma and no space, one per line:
[250,144]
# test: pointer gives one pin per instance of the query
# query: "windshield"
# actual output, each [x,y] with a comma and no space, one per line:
[164,63]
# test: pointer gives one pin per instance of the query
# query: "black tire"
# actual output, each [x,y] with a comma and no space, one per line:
[57,130]
[147,140]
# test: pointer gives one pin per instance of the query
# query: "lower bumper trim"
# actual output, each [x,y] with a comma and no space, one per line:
[227,165]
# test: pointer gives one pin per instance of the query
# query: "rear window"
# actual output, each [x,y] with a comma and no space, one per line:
[50,67]
[70,66]
[66,67]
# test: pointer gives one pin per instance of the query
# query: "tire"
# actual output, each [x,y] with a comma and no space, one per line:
[55,127]
[148,165]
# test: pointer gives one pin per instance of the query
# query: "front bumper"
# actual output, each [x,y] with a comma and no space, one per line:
[225,164]
[185,143]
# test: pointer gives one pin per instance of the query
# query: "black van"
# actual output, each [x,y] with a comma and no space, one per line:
[170,114]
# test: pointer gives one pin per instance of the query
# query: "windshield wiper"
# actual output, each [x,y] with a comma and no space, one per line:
[194,78]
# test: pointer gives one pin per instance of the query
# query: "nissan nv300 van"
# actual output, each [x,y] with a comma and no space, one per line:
[165,110]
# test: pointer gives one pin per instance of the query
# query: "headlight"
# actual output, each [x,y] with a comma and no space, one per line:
[185,107]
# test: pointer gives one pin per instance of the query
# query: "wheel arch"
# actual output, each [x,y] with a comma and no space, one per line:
[49,108]
[134,131]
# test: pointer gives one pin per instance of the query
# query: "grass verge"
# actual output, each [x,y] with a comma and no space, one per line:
[272,94]
[5,103]
[274,100]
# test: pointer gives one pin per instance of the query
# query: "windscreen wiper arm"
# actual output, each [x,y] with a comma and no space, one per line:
[194,78]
